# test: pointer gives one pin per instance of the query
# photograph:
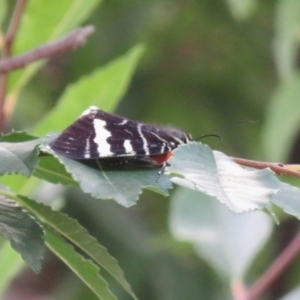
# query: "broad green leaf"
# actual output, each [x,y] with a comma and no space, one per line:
[242,9]
[227,241]
[20,158]
[288,199]
[16,181]
[286,43]
[55,21]
[51,170]
[282,121]
[123,186]
[16,137]
[48,168]
[74,232]
[85,269]
[11,264]
[104,88]
[216,175]
[23,232]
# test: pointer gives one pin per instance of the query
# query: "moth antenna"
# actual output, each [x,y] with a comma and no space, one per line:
[208,135]
[225,128]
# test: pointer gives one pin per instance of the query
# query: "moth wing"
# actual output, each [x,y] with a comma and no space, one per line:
[97,134]
[76,141]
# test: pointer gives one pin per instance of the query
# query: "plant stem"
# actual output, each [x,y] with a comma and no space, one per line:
[70,42]
[278,168]
[7,49]
[280,264]
[238,290]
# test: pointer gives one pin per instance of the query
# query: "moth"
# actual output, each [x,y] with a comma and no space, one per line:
[98,135]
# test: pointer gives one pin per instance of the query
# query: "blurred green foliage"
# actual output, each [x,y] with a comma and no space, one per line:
[207,64]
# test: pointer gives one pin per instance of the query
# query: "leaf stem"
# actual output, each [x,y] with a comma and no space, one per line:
[238,290]
[280,264]
[278,168]
[7,49]
[70,42]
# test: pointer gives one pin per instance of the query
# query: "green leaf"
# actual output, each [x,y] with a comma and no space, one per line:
[55,21]
[216,175]
[286,43]
[104,88]
[282,121]
[24,233]
[20,158]
[228,242]
[51,170]
[78,235]
[122,186]
[15,181]
[10,267]
[288,199]
[85,269]
[17,136]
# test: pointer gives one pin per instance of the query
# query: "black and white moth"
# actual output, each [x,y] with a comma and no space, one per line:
[100,135]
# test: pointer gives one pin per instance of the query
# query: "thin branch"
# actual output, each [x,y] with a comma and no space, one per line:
[14,25]
[7,48]
[276,269]
[238,290]
[278,168]
[70,42]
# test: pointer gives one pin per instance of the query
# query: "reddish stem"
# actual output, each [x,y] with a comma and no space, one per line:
[7,49]
[278,168]
[288,255]
[238,290]
[276,269]
[70,42]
